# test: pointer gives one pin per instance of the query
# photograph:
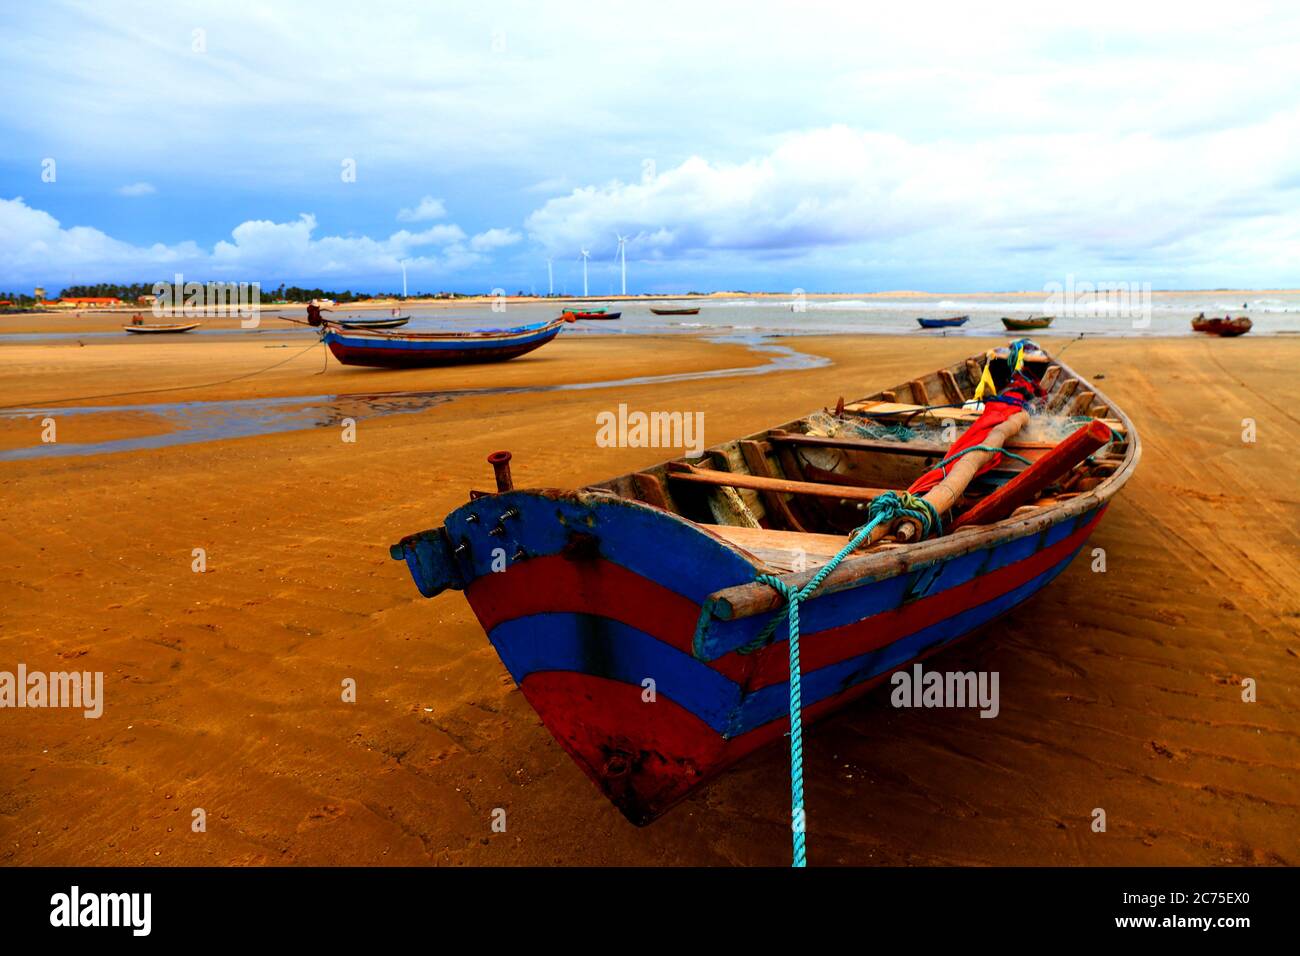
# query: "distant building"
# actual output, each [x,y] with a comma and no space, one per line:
[80,301]
[40,293]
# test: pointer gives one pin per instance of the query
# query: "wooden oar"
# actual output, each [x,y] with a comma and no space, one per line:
[683,471]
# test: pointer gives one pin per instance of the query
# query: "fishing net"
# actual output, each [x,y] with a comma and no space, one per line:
[826,425]
[1043,426]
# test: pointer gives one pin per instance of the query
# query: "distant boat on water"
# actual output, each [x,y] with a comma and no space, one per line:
[948,323]
[146,329]
[395,322]
[1226,327]
[694,311]
[1024,325]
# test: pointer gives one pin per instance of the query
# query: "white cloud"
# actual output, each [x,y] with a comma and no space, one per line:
[552,184]
[1094,192]
[137,189]
[494,239]
[440,235]
[428,209]
[35,248]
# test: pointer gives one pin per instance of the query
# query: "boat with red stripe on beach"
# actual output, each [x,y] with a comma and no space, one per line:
[891,539]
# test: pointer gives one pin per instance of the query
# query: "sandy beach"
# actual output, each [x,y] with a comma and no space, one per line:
[1120,690]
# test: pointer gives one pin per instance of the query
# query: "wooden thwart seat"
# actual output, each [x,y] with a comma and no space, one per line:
[782,550]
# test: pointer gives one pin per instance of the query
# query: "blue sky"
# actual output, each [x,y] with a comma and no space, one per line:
[824,147]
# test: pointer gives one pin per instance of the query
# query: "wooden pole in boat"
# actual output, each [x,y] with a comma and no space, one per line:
[946,493]
[1053,466]
[686,472]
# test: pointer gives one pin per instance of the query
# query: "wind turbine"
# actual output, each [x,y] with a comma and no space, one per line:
[622,252]
[403,278]
[585,256]
[550,278]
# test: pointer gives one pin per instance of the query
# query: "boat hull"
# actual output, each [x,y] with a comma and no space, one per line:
[1224,328]
[942,323]
[601,595]
[1025,325]
[378,350]
[159,329]
[394,323]
[675,311]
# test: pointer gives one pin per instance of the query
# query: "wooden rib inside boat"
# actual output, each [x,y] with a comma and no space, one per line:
[656,574]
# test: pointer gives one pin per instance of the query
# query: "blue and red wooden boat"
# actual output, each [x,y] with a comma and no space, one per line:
[421,349]
[588,595]
[948,323]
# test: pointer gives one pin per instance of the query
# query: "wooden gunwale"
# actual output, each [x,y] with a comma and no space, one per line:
[878,565]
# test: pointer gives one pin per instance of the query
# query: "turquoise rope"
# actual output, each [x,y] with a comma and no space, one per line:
[886,508]
[992,448]
[1015,349]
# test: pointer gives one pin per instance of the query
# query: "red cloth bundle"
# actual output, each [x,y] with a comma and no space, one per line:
[996,411]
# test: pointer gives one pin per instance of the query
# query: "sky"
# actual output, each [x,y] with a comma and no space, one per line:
[824,147]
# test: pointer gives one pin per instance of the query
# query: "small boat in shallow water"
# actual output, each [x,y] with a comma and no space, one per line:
[602,315]
[948,323]
[1029,324]
[1227,327]
[423,349]
[396,322]
[681,572]
[676,311]
[147,329]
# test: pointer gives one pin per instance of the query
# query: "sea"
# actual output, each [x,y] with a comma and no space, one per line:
[1156,314]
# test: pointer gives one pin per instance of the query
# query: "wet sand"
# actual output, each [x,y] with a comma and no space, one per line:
[1119,690]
